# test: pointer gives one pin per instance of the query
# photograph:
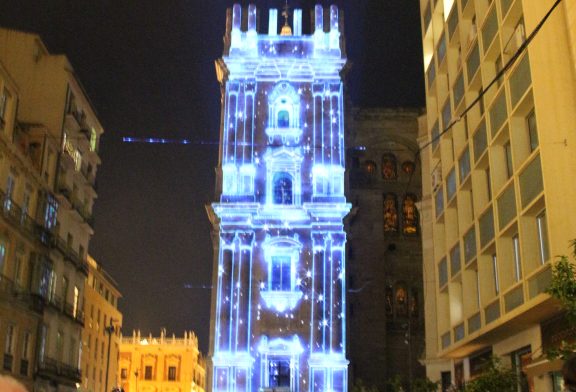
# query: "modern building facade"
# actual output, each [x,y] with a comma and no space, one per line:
[164,364]
[101,334]
[58,134]
[278,305]
[496,180]
[385,292]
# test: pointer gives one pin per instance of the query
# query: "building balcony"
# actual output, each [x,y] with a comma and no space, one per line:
[70,254]
[59,371]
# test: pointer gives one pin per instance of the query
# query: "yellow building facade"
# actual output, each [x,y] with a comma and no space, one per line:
[163,364]
[20,235]
[101,334]
[47,180]
[497,182]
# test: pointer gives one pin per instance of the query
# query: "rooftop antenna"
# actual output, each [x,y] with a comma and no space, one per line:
[286,29]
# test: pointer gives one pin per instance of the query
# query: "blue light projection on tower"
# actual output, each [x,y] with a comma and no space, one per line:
[278,306]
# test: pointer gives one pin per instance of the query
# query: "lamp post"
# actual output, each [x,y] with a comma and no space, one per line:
[110,329]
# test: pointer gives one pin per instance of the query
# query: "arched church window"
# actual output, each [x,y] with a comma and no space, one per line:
[410,215]
[390,213]
[389,301]
[282,188]
[283,119]
[389,170]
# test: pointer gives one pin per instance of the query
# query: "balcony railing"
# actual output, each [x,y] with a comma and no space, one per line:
[51,367]
[69,253]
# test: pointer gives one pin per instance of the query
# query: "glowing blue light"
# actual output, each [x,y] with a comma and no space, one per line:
[279,298]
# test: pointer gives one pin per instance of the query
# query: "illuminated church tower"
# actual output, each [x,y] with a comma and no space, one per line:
[278,307]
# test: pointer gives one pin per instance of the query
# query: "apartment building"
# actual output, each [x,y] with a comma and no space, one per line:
[101,334]
[162,364]
[59,132]
[23,231]
[496,182]
[384,247]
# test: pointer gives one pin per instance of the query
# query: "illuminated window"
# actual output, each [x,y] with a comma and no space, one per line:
[124,373]
[517,260]
[283,119]
[389,167]
[281,290]
[281,279]
[172,373]
[148,373]
[282,188]
[279,370]
[370,167]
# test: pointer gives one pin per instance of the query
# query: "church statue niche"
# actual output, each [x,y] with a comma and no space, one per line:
[389,170]
[401,301]
[390,213]
[389,301]
[410,214]
[408,167]
[414,303]
[370,167]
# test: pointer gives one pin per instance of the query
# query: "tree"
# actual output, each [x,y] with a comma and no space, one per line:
[359,386]
[494,378]
[563,288]
[424,385]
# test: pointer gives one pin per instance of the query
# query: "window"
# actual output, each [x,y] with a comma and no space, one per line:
[148,373]
[3,104]
[2,255]
[9,343]
[281,273]
[50,212]
[532,130]
[488,184]
[517,260]
[283,119]
[495,273]
[124,373]
[389,167]
[370,167]
[455,263]
[172,373]
[59,345]
[542,237]
[508,156]
[9,190]
[279,370]
[282,188]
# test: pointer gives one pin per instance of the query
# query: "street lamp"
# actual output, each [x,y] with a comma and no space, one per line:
[110,329]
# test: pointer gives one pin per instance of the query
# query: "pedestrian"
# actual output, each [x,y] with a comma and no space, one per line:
[8,384]
[569,374]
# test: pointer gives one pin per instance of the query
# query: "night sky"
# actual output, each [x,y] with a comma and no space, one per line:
[148,67]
